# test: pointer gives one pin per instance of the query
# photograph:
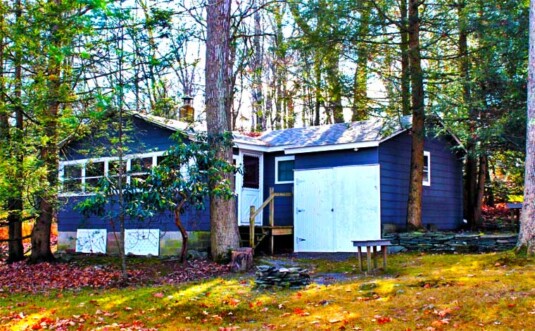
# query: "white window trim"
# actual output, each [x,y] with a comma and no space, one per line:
[277,160]
[427,181]
[127,158]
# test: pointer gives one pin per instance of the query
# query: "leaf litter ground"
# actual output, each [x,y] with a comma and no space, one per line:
[416,292]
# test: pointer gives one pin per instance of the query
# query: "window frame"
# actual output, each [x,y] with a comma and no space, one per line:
[282,159]
[426,180]
[84,162]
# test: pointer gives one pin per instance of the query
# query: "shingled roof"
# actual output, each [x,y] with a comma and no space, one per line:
[373,130]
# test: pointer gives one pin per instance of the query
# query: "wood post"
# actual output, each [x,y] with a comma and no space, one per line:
[375,257]
[251,226]
[272,218]
[385,252]
[360,257]
[253,212]
[369,257]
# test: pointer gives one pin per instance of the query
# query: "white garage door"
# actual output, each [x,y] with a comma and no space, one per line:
[334,206]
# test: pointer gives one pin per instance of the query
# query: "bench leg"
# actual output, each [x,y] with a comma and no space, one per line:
[385,252]
[369,257]
[359,255]
[375,257]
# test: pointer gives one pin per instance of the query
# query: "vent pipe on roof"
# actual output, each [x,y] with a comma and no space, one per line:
[186,113]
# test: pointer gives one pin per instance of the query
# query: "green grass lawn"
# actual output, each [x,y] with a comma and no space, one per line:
[416,292]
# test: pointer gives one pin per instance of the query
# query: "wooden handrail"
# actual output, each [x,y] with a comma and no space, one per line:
[253,212]
[272,196]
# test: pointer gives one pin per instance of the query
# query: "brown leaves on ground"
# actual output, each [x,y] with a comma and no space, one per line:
[24,278]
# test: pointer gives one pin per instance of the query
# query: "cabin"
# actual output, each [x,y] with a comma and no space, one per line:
[321,187]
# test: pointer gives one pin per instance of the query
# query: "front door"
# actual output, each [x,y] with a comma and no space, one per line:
[251,186]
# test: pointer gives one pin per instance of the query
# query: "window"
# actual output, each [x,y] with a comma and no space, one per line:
[115,169]
[251,171]
[284,169]
[140,168]
[72,175]
[94,171]
[160,159]
[427,169]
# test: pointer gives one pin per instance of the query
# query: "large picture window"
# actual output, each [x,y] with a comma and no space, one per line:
[427,169]
[82,176]
[284,169]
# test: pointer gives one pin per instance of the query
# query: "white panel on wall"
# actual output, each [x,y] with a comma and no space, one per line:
[91,240]
[357,205]
[142,242]
[313,212]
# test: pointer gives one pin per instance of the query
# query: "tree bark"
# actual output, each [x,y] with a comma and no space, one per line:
[480,192]
[526,235]
[405,71]
[224,234]
[470,168]
[41,250]
[414,207]
[257,98]
[15,205]
[11,144]
[334,106]
[360,83]
[183,232]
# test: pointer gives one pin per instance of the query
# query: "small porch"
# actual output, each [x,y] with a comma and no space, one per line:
[254,234]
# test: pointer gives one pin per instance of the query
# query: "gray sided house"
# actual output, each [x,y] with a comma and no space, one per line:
[349,182]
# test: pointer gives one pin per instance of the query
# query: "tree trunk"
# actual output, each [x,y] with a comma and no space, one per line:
[526,235]
[470,183]
[333,104]
[258,116]
[470,170]
[41,251]
[183,232]
[224,234]
[318,100]
[360,82]
[16,248]
[414,208]
[12,143]
[48,154]
[480,192]
[489,193]
[405,71]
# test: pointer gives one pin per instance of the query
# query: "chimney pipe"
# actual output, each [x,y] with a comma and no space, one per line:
[186,113]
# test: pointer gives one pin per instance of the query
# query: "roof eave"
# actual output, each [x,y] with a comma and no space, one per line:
[258,148]
[331,147]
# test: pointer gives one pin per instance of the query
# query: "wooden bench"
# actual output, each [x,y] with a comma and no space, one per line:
[515,209]
[371,244]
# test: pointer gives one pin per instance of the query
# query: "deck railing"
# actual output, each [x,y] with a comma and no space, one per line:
[253,212]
